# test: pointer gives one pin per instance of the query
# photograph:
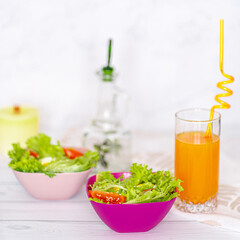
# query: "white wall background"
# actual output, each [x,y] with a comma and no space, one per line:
[166,52]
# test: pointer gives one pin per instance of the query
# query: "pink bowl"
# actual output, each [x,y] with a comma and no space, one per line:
[126,218]
[61,187]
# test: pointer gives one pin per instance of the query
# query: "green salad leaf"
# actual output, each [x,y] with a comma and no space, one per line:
[143,186]
[106,182]
[43,146]
[77,165]
[97,200]
[17,153]
[23,161]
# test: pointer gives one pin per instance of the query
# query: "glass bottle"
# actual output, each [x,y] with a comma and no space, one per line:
[106,133]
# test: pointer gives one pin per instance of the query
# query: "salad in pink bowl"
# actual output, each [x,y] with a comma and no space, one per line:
[134,201]
[41,156]
[49,171]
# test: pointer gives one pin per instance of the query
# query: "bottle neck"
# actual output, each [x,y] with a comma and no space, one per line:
[106,111]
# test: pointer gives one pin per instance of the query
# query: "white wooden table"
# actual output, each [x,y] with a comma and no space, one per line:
[22,217]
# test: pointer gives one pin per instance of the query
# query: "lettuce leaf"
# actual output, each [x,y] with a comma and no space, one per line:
[88,160]
[22,161]
[17,153]
[43,146]
[106,182]
[97,200]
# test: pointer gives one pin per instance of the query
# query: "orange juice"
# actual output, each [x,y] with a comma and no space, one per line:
[197,165]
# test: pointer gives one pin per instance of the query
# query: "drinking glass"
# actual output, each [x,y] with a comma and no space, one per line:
[197,159]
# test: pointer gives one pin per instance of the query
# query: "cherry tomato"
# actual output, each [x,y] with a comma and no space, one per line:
[72,153]
[33,154]
[107,197]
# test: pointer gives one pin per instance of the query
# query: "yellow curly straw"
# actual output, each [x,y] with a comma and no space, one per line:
[229,92]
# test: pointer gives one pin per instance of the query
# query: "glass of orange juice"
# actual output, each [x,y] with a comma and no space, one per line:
[197,159]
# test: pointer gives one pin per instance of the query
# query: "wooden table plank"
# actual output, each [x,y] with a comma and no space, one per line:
[57,211]
[38,230]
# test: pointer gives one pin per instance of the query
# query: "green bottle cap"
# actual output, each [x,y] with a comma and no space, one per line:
[107,71]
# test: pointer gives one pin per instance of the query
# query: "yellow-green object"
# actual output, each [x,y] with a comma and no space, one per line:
[17,124]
